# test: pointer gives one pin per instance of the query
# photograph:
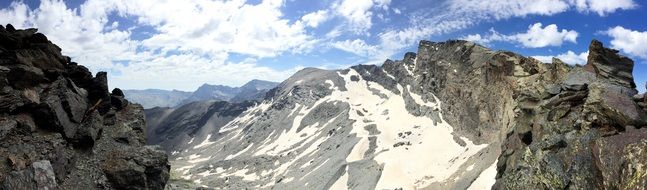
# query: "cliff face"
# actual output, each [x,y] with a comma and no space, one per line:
[60,127]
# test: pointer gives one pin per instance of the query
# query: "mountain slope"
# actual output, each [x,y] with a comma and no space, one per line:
[455,115]
[173,127]
[336,129]
[60,127]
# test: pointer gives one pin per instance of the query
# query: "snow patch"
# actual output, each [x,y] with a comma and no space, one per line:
[204,143]
[486,180]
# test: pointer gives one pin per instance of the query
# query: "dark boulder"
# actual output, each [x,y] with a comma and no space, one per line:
[145,168]
[10,28]
[23,76]
[117,99]
[98,92]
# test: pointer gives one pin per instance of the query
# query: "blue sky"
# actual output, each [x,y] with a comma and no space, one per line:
[181,44]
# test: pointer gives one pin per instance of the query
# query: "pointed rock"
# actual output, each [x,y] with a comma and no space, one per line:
[610,65]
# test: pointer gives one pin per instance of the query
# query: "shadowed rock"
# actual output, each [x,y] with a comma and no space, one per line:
[60,127]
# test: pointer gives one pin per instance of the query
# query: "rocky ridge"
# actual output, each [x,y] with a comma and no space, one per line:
[475,118]
[60,127]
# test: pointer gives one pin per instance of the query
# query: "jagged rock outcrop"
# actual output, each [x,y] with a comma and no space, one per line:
[60,127]
[588,133]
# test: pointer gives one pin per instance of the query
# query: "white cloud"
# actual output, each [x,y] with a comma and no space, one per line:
[315,18]
[200,35]
[383,4]
[629,41]
[78,33]
[569,57]
[16,14]
[212,27]
[188,71]
[535,37]
[358,12]
[486,39]
[397,11]
[357,46]
[603,7]
[505,9]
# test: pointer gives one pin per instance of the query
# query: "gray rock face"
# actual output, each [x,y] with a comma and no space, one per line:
[60,128]
[611,66]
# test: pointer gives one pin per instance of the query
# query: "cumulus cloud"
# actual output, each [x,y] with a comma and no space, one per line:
[603,7]
[315,18]
[358,13]
[569,57]
[187,48]
[78,33]
[486,39]
[629,41]
[357,46]
[220,26]
[535,37]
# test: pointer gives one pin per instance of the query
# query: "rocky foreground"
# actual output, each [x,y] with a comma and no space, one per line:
[60,127]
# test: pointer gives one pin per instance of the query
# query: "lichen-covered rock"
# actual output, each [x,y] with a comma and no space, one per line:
[622,160]
[59,127]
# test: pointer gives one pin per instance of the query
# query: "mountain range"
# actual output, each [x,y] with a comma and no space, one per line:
[150,98]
